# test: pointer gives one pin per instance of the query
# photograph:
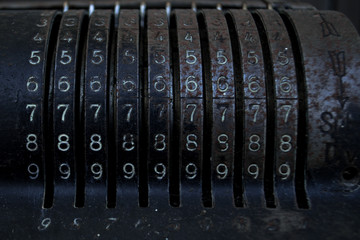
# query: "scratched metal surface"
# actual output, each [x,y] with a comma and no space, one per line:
[333,100]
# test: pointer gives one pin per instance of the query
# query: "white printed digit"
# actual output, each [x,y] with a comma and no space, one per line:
[223,141]
[33,107]
[64,84]
[98,37]
[43,23]
[256,107]
[37,38]
[222,171]
[222,84]
[65,57]
[221,58]
[253,170]
[45,223]
[285,173]
[31,143]
[35,58]
[160,144]
[254,86]
[254,144]
[193,111]
[285,143]
[63,142]
[252,57]
[190,84]
[223,115]
[130,56]
[97,57]
[159,83]
[64,169]
[128,115]
[95,84]
[70,22]
[97,170]
[97,109]
[32,85]
[63,115]
[33,170]
[285,86]
[188,37]
[160,170]
[128,142]
[95,144]
[111,222]
[287,108]
[129,170]
[190,57]
[191,144]
[191,171]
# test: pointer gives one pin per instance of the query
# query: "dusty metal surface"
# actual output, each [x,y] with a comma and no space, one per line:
[284,97]
[253,107]
[159,97]
[220,91]
[191,97]
[330,72]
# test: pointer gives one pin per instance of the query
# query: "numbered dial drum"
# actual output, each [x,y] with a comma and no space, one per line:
[187,108]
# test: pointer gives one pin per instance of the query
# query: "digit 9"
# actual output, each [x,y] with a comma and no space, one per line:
[285,171]
[222,171]
[253,170]
[160,171]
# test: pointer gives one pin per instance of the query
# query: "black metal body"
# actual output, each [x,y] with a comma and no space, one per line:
[176,123]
